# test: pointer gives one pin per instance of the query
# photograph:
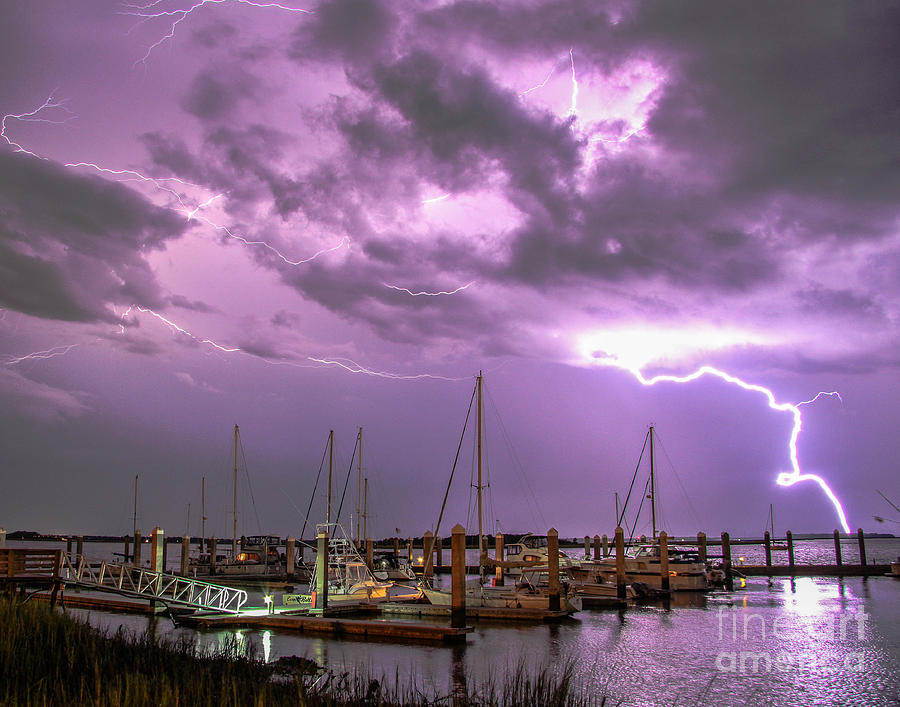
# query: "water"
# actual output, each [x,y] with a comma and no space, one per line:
[807,641]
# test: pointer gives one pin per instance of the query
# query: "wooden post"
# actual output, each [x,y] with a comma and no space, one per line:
[605,546]
[156,551]
[79,545]
[498,553]
[137,548]
[553,568]
[2,537]
[790,543]
[701,546]
[620,562]
[397,549]
[597,549]
[587,547]
[320,602]
[862,546]
[768,541]
[211,545]
[290,557]
[69,546]
[126,554]
[458,576]
[409,549]
[165,554]
[428,555]
[664,560]
[370,546]
[438,542]
[185,552]
[726,561]
[838,560]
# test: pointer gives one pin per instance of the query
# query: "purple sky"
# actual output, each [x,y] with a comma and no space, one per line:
[334,218]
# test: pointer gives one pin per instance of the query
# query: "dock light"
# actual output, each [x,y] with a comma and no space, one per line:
[741,560]
[270,603]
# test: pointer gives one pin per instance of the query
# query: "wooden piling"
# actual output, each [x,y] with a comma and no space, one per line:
[605,546]
[789,536]
[701,546]
[458,577]
[587,547]
[438,543]
[137,548]
[838,560]
[126,554]
[165,554]
[726,562]
[79,545]
[290,557]
[211,546]
[185,554]
[320,601]
[397,548]
[370,552]
[409,549]
[620,562]
[428,555]
[157,539]
[498,553]
[861,536]
[767,538]
[68,546]
[553,568]
[597,549]
[664,560]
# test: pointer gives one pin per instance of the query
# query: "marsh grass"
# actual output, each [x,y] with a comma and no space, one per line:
[49,658]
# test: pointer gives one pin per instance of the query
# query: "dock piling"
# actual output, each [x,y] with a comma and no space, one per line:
[290,557]
[126,554]
[597,550]
[185,551]
[861,536]
[397,548]
[620,562]
[726,562]
[69,546]
[664,560]
[370,547]
[137,548]
[409,549]
[605,546]
[428,556]
[789,536]
[767,538]
[438,543]
[79,545]
[211,544]
[157,540]
[701,546]
[587,547]
[838,560]
[498,547]
[320,596]
[553,568]
[458,577]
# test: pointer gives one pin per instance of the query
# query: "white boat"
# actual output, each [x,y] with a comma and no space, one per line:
[531,553]
[686,572]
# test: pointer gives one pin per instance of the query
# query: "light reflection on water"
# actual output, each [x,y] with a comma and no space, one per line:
[781,641]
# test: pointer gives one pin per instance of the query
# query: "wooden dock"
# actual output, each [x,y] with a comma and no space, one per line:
[406,631]
[875,570]
[473,612]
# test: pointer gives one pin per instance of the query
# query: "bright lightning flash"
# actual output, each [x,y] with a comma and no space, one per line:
[592,347]
[49,353]
[430,294]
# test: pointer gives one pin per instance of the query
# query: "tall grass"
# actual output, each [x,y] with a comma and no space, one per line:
[48,658]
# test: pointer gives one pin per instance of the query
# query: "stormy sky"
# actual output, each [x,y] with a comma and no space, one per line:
[302,218]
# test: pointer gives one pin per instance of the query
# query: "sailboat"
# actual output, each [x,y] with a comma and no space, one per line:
[770,526]
[253,557]
[686,572]
[523,595]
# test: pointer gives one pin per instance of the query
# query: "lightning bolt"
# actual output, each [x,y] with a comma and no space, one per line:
[354,367]
[540,85]
[787,478]
[38,115]
[145,13]
[49,353]
[430,294]
[175,327]
[573,107]
[436,199]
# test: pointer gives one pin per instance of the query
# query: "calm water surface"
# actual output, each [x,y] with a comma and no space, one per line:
[807,641]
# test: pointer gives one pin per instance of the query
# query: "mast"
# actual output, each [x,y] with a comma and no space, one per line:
[134,516]
[365,513]
[234,503]
[330,467]
[652,486]
[480,534]
[202,512]
[359,490]
[772,519]
[617,507]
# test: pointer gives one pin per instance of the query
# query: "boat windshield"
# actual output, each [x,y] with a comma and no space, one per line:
[534,542]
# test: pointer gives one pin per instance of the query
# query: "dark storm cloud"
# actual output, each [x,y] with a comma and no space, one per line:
[71,244]
[354,31]
[844,303]
[192,305]
[215,93]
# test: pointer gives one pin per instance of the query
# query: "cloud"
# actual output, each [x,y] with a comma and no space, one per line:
[215,94]
[70,244]
[40,401]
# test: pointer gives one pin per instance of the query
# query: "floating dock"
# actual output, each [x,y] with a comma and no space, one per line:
[875,570]
[472,612]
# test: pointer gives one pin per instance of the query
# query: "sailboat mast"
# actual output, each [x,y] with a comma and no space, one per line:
[359,537]
[134,516]
[202,512]
[234,500]
[365,513]
[652,485]
[330,468]
[480,532]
